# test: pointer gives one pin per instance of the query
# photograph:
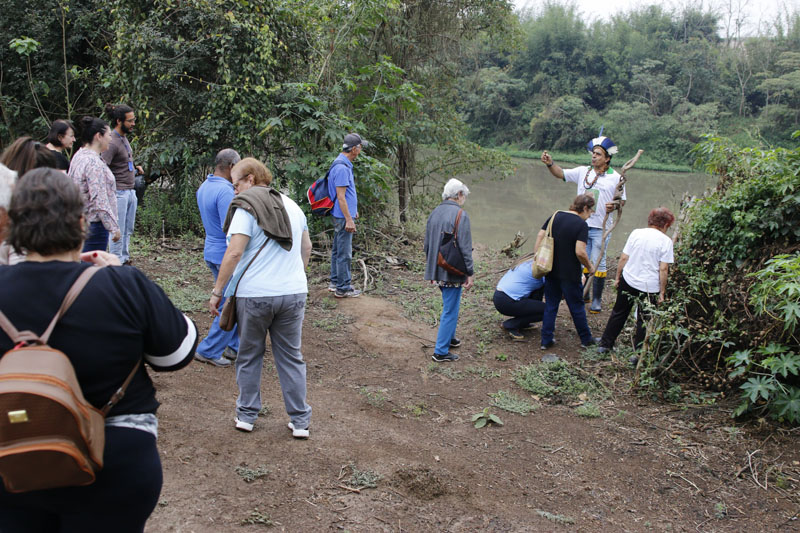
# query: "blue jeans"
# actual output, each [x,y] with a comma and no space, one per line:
[341,255]
[573,294]
[126,217]
[451,301]
[217,339]
[282,318]
[594,245]
[96,238]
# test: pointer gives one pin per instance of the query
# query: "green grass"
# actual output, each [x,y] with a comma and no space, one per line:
[376,398]
[446,370]
[558,380]
[483,372]
[588,410]
[513,404]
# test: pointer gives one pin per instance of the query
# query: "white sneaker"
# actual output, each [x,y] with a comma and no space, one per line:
[297,432]
[244,426]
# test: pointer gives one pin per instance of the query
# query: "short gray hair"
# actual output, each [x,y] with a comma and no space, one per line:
[7,179]
[226,158]
[452,188]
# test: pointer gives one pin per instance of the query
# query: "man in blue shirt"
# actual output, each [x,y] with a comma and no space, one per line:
[342,188]
[213,198]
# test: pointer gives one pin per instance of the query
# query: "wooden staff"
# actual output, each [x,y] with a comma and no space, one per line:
[617,201]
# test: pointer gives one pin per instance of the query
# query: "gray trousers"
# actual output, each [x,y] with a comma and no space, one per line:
[282,318]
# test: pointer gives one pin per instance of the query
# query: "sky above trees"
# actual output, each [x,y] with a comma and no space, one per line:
[758,15]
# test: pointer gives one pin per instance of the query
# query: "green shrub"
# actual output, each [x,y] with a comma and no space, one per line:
[170,212]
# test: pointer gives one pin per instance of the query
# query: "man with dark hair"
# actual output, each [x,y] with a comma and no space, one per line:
[213,199]
[342,188]
[119,158]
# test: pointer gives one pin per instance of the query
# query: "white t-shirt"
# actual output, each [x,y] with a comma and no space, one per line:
[603,190]
[646,248]
[275,272]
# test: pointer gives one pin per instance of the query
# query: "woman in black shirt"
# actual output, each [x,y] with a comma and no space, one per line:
[570,234]
[119,318]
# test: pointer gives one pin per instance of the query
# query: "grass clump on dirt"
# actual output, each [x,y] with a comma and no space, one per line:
[376,398]
[558,380]
[362,479]
[251,474]
[258,518]
[588,410]
[512,403]
[557,518]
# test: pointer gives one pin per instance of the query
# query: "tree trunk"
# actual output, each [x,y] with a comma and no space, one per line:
[403,155]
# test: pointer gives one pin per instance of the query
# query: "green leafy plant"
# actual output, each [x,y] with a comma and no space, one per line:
[484,418]
[766,387]
[776,292]
[501,357]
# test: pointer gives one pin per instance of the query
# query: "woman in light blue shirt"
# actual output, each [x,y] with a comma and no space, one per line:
[519,295]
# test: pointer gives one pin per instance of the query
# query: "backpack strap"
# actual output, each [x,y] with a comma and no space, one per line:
[72,294]
[117,396]
[24,337]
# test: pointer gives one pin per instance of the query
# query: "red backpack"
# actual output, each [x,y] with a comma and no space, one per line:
[319,195]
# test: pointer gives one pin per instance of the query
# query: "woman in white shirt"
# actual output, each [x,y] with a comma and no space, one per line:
[642,272]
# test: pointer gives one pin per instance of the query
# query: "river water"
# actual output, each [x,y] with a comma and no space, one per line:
[523,201]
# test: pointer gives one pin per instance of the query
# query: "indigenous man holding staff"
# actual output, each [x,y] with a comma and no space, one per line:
[600,181]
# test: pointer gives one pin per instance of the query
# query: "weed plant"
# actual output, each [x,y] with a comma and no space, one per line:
[512,403]
[361,479]
[588,410]
[558,380]
[251,474]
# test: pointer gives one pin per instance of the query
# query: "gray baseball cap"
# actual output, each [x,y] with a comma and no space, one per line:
[354,139]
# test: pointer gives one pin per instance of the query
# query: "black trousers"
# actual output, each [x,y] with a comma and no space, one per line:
[522,311]
[627,297]
[120,500]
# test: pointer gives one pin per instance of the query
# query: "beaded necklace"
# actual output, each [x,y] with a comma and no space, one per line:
[586,184]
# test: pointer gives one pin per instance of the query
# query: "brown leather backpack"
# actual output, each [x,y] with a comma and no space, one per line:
[50,436]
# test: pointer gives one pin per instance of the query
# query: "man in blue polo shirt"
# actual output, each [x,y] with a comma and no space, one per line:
[342,188]
[213,198]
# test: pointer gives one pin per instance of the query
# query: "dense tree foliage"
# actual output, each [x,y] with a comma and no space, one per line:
[281,80]
[657,79]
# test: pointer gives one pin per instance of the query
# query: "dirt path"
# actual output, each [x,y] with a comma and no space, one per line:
[382,409]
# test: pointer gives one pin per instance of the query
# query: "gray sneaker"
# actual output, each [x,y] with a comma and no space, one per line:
[352,293]
[331,287]
[229,353]
[219,361]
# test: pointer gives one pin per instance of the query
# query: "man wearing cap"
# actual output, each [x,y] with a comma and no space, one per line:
[599,180]
[342,188]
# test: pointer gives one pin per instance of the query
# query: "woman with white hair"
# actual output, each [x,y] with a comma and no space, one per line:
[448,217]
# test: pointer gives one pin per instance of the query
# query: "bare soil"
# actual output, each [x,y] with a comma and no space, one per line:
[385,415]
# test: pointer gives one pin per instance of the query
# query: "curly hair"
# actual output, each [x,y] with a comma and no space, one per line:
[45,213]
[581,202]
[251,165]
[660,217]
